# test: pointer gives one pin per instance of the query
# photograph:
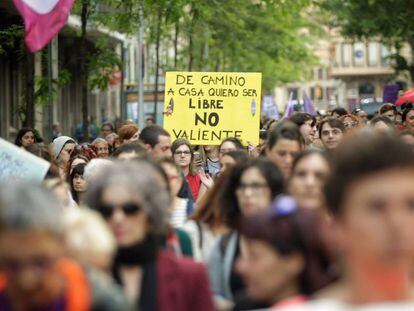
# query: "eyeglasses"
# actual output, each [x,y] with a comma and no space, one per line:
[186,153]
[350,124]
[254,187]
[128,208]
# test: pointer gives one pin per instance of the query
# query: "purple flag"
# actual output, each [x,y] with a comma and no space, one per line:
[289,108]
[308,105]
[390,93]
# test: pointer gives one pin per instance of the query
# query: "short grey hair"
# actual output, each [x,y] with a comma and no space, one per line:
[140,177]
[26,206]
[93,168]
[99,141]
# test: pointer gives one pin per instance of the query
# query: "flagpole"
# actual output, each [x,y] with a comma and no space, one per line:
[49,88]
[140,84]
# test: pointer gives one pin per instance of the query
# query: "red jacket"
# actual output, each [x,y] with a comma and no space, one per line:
[182,285]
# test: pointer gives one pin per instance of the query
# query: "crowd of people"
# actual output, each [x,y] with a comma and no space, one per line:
[318,216]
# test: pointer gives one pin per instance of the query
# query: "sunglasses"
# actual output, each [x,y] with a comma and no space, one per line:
[128,208]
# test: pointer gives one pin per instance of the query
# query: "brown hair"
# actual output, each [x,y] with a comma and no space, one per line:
[387,107]
[184,142]
[127,131]
[297,232]
[352,117]
[364,154]
[80,152]
[209,210]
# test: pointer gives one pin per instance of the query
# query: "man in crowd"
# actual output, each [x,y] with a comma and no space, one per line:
[157,141]
[331,131]
[106,129]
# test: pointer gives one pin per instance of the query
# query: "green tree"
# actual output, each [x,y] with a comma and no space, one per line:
[391,21]
[96,62]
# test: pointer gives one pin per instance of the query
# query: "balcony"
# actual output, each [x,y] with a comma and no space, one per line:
[359,59]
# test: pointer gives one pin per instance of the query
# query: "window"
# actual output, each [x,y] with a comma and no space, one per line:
[337,58]
[359,54]
[346,54]
[312,93]
[320,74]
[372,54]
[385,53]
[295,93]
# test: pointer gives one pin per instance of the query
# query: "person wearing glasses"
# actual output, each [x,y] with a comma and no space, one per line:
[250,188]
[63,147]
[133,198]
[183,156]
[307,126]
[350,121]
[285,259]
[362,114]
[331,132]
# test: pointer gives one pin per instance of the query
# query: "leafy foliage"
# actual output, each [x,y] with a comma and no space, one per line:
[10,38]
[389,20]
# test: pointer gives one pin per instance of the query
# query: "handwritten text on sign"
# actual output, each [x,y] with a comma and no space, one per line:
[207,108]
[17,164]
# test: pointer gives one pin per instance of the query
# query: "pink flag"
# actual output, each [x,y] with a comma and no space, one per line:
[43,19]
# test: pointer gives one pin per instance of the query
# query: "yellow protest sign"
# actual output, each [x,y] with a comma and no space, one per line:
[208,107]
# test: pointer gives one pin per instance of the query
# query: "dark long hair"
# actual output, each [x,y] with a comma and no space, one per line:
[298,231]
[228,199]
[77,170]
[21,133]
[210,210]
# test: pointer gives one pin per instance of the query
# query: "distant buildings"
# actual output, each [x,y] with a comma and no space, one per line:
[66,107]
[351,74]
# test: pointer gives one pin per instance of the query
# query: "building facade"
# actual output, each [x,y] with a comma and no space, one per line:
[350,74]
[65,107]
